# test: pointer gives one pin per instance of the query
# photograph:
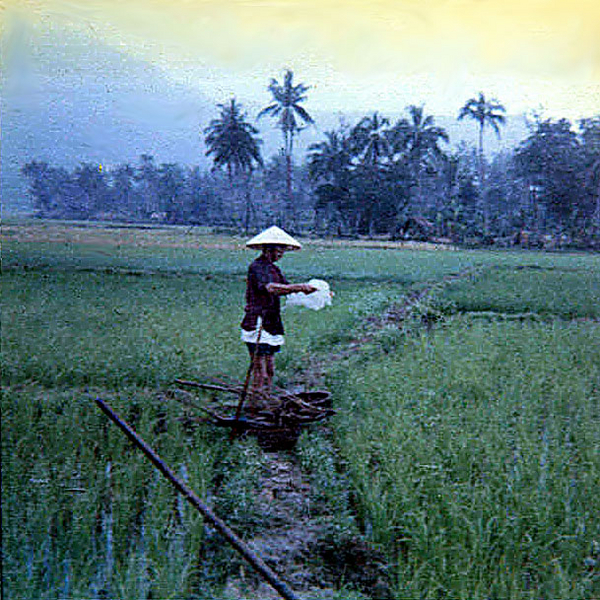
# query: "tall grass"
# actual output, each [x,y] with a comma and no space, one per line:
[114,330]
[370,264]
[475,455]
[80,504]
[83,514]
[177,250]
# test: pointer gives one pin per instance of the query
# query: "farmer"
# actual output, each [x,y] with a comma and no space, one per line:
[262,328]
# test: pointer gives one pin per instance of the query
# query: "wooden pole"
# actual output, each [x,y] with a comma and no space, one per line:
[255,561]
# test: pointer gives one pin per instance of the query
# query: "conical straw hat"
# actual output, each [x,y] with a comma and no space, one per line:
[274,235]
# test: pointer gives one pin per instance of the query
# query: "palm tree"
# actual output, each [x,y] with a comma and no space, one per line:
[485,112]
[424,135]
[371,147]
[422,139]
[329,165]
[287,98]
[233,144]
[232,141]
[590,137]
[330,159]
[371,139]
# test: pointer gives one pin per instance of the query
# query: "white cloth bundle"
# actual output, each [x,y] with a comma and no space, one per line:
[317,300]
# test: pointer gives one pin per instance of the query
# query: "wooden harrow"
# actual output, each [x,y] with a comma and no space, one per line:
[277,422]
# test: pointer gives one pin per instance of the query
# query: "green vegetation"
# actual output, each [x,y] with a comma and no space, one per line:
[376,176]
[466,449]
[567,291]
[83,514]
[473,452]
[94,328]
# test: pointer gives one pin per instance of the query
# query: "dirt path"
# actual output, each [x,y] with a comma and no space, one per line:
[291,536]
[292,544]
[292,540]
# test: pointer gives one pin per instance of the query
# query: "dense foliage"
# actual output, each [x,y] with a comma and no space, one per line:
[397,180]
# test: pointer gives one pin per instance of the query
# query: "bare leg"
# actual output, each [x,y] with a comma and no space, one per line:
[270,373]
[259,373]
[253,402]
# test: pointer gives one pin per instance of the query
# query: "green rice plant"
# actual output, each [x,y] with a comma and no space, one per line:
[240,467]
[111,330]
[319,334]
[330,489]
[230,259]
[57,245]
[81,505]
[73,328]
[572,293]
[474,452]
[109,512]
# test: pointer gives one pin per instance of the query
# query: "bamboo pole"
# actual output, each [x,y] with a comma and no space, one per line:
[207,386]
[255,561]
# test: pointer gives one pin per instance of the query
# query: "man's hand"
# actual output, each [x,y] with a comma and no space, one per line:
[307,289]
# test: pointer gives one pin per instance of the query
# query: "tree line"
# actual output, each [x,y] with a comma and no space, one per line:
[373,178]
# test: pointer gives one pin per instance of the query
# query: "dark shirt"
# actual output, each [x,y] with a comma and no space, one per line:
[259,302]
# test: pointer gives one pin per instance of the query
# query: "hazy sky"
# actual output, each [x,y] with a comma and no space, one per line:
[357,55]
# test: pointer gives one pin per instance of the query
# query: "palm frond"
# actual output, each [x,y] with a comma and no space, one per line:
[302,112]
[273,109]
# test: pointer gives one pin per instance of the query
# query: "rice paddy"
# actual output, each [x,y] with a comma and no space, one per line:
[466,449]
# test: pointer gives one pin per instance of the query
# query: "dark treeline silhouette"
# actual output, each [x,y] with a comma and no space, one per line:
[375,178]
[169,193]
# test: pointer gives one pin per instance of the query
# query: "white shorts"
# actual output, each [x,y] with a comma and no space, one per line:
[250,337]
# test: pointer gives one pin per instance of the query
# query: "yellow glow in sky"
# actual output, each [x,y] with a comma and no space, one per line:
[357,52]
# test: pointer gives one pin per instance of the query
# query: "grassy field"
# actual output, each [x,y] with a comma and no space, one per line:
[566,291]
[474,455]
[467,451]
